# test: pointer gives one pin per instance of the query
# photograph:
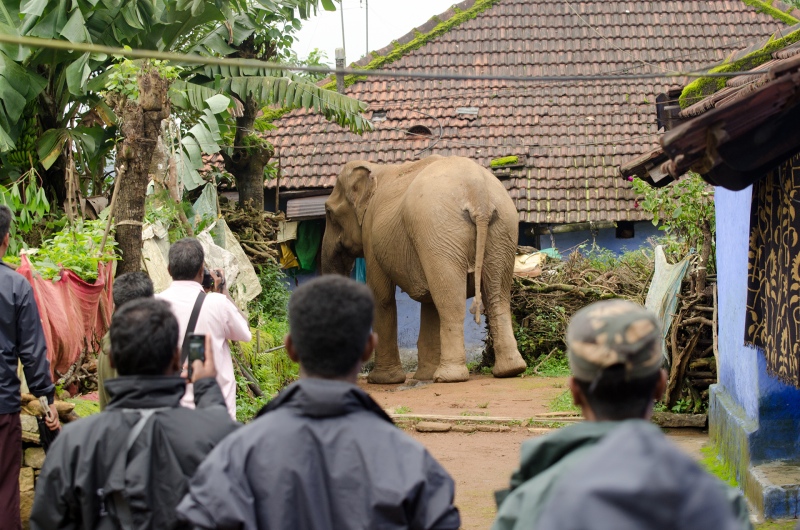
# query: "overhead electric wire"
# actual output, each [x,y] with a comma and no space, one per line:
[36,42]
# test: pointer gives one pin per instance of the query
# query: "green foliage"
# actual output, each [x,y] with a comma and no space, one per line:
[563,403]
[316,58]
[402,409]
[681,210]
[682,406]
[766,8]
[29,206]
[705,86]
[122,76]
[504,161]
[272,303]
[272,369]
[161,209]
[74,248]
[556,365]
[268,319]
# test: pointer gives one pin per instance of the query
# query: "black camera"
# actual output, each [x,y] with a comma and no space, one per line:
[208,280]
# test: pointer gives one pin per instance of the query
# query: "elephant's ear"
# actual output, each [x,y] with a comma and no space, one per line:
[361,190]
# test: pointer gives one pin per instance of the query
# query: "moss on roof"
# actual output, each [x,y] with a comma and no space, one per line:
[766,8]
[705,86]
[504,161]
[421,39]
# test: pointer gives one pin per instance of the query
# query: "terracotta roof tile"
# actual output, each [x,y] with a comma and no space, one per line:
[574,135]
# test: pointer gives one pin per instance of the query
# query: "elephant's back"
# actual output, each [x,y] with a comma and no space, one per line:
[461,181]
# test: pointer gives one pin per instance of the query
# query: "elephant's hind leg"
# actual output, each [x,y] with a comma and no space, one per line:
[429,345]
[498,274]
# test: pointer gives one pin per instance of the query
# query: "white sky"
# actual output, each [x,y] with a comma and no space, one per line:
[388,20]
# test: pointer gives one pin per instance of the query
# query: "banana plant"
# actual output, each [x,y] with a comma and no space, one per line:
[66,87]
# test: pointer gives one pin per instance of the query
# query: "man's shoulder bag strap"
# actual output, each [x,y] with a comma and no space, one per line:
[190,328]
[123,508]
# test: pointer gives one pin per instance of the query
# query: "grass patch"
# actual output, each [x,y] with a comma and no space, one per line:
[712,463]
[483,405]
[563,403]
[546,424]
[84,407]
[402,409]
[470,413]
[555,366]
[789,524]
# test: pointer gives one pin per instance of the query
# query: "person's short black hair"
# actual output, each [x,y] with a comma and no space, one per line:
[144,337]
[132,286]
[5,221]
[185,259]
[613,397]
[330,321]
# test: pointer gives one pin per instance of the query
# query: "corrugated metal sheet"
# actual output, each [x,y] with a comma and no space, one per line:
[306,207]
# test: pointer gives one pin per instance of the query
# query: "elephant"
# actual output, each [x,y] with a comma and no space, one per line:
[442,229]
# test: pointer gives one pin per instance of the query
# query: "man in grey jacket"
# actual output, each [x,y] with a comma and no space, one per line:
[128,467]
[323,455]
[616,470]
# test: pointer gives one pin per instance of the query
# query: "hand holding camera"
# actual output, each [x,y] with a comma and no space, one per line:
[214,280]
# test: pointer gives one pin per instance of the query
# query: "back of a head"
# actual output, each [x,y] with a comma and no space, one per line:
[132,286]
[614,350]
[185,259]
[144,337]
[5,221]
[330,321]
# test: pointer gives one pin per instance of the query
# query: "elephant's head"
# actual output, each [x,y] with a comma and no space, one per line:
[344,217]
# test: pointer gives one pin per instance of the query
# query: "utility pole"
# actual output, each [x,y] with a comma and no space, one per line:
[366,6]
[339,65]
[341,8]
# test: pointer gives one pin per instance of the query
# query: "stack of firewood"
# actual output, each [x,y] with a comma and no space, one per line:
[256,231]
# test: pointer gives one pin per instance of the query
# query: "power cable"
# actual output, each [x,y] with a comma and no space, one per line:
[36,42]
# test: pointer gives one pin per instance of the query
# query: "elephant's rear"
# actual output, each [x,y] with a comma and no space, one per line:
[457,188]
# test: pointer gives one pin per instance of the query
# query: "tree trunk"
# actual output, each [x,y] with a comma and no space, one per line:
[140,128]
[249,159]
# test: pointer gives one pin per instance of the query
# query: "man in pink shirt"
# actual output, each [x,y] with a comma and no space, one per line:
[219,317]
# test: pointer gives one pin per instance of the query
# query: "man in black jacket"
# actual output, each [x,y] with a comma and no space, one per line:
[323,455]
[128,466]
[21,339]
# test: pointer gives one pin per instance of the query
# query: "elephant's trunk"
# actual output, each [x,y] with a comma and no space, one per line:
[336,262]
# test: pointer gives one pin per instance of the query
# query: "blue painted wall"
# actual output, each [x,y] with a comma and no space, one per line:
[606,238]
[738,370]
[743,370]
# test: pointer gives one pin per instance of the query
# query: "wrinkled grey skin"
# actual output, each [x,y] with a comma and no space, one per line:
[420,226]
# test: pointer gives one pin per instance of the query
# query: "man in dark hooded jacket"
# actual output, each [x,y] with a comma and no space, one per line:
[615,471]
[128,467]
[323,455]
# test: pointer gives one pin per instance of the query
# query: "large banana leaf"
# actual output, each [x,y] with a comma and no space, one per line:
[203,137]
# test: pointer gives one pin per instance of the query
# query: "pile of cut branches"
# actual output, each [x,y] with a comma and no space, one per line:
[691,343]
[542,306]
[256,231]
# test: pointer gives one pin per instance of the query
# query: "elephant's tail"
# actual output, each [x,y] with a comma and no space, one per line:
[482,226]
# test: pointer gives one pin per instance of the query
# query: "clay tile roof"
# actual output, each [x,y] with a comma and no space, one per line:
[572,136]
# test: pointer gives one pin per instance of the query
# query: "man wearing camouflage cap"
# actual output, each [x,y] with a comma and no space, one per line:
[616,470]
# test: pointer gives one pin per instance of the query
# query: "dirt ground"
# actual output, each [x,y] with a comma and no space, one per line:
[482,462]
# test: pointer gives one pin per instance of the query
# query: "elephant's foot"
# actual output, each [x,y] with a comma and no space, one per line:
[509,367]
[387,376]
[425,372]
[451,374]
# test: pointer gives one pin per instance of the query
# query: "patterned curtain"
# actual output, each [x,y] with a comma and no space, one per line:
[773,282]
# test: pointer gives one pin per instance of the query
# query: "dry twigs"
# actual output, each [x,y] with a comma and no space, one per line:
[256,231]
